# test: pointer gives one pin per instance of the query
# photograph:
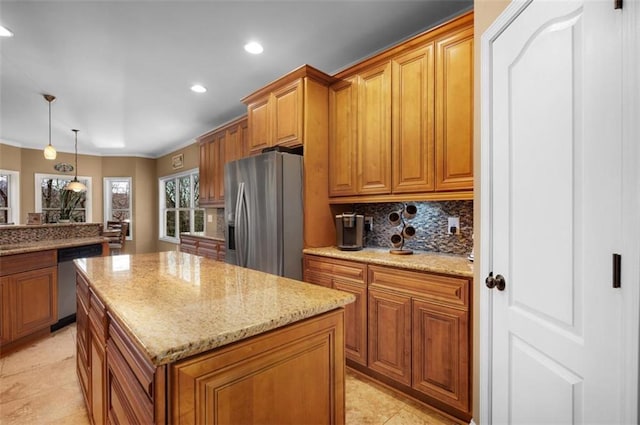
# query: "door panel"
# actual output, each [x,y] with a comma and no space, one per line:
[555,153]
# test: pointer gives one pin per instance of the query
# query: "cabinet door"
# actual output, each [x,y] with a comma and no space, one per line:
[390,334]
[374,131]
[355,320]
[258,115]
[97,375]
[343,133]
[219,156]
[5,309]
[36,300]
[454,111]
[204,171]
[441,353]
[287,115]
[233,144]
[413,161]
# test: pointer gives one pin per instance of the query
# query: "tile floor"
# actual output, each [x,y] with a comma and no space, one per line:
[38,385]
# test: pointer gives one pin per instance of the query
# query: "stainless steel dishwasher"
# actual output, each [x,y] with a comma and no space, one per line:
[67,281]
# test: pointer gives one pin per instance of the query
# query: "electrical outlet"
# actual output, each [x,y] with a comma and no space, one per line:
[209,218]
[368,224]
[453,225]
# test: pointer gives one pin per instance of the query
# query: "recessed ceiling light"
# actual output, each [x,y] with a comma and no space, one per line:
[253,47]
[4,32]
[198,88]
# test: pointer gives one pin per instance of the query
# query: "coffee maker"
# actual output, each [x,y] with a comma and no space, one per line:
[350,231]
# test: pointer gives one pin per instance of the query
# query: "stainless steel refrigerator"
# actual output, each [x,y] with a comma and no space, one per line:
[263,213]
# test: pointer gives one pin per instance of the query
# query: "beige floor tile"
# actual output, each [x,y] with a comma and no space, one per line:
[39,385]
[44,352]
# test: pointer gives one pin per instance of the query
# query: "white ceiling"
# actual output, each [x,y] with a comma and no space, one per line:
[121,70]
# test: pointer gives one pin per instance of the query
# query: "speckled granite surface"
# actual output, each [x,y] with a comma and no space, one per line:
[176,305]
[419,260]
[23,247]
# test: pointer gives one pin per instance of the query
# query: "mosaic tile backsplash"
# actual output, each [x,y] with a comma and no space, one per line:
[430,223]
[46,232]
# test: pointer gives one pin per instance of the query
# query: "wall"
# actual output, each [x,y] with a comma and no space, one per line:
[163,168]
[430,223]
[143,172]
[32,161]
[485,12]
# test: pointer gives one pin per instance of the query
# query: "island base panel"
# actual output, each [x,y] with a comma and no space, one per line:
[294,375]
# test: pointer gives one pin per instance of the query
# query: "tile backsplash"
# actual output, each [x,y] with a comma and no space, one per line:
[217,226]
[430,223]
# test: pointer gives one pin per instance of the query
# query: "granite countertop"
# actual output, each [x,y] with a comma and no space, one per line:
[419,260]
[175,305]
[219,238]
[24,247]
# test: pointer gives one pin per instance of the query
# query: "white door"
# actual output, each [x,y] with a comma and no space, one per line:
[556,215]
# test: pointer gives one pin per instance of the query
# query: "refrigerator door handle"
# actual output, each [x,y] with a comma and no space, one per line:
[241,224]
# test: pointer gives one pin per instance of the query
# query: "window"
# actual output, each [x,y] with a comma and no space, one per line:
[179,211]
[50,195]
[9,197]
[117,201]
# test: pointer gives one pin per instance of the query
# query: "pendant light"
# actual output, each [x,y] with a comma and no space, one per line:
[49,150]
[75,185]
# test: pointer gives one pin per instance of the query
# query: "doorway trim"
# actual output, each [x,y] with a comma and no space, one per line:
[630,210]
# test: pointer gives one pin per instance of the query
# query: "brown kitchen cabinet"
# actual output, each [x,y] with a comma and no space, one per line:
[454,111]
[349,277]
[411,329]
[419,334]
[217,147]
[293,112]
[411,129]
[28,295]
[278,112]
[343,107]
[203,246]
[91,341]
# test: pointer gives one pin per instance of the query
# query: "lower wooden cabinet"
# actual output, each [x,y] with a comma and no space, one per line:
[349,277]
[293,375]
[205,247]
[390,334]
[28,295]
[441,353]
[408,328]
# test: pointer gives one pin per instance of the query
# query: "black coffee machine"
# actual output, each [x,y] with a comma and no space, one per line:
[350,231]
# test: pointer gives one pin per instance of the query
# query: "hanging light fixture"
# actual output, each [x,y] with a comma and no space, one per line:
[74,185]
[49,150]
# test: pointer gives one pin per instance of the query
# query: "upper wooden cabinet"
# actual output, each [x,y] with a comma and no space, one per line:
[277,113]
[373,149]
[454,111]
[412,121]
[343,106]
[293,111]
[224,144]
[411,129]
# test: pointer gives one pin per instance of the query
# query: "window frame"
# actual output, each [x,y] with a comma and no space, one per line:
[107,211]
[38,177]
[162,204]
[13,200]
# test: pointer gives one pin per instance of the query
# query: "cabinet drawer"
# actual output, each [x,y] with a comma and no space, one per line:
[82,289]
[10,264]
[126,401]
[97,317]
[137,364]
[447,290]
[336,268]
[322,279]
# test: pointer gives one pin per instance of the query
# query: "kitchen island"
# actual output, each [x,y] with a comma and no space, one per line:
[177,338]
